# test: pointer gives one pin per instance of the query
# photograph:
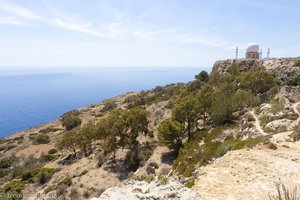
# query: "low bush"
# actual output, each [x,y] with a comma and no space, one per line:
[109,106]
[192,155]
[149,179]
[2,148]
[40,139]
[296,134]
[277,106]
[297,63]
[70,120]
[47,158]
[52,151]
[49,130]
[66,181]
[190,184]
[293,81]
[4,172]
[37,175]
[10,146]
[251,142]
[13,187]
[163,180]
[7,162]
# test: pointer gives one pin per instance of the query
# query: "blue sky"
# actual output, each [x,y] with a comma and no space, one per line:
[40,33]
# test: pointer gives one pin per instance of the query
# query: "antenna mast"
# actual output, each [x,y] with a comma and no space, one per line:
[237,53]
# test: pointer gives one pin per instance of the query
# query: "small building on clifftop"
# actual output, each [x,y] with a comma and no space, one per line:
[252,51]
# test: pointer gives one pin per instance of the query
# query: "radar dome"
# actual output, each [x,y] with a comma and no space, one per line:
[252,47]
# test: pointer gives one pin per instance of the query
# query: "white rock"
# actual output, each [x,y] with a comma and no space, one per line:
[136,190]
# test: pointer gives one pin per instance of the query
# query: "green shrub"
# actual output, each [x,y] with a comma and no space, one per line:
[7,162]
[149,179]
[70,120]
[294,81]
[192,155]
[135,101]
[47,158]
[296,134]
[52,151]
[109,106]
[18,138]
[277,106]
[13,187]
[66,181]
[40,139]
[258,81]
[190,184]
[297,63]
[251,142]
[10,146]
[37,175]
[2,148]
[4,172]
[49,130]
[163,180]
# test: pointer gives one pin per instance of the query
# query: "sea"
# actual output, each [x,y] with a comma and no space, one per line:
[31,97]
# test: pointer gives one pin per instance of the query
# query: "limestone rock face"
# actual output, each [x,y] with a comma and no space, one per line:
[136,190]
[278,125]
[282,68]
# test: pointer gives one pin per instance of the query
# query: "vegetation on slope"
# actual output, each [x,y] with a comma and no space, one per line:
[202,111]
[218,97]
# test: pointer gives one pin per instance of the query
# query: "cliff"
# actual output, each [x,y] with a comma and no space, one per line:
[282,68]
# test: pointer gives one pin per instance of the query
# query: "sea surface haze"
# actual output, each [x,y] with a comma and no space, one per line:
[33,97]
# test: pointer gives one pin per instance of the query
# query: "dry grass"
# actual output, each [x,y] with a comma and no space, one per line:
[284,193]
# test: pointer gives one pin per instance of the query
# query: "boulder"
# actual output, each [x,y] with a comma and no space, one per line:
[150,169]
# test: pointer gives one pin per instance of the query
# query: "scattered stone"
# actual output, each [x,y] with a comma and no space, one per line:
[151,167]
[271,145]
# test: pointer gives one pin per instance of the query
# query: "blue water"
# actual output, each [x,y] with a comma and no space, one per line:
[33,97]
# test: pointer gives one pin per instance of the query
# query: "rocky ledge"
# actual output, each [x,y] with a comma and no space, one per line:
[159,188]
[282,68]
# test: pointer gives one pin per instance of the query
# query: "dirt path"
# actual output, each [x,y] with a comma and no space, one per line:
[257,124]
[250,174]
[295,108]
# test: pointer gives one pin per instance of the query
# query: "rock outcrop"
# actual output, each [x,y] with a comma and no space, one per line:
[282,68]
[136,190]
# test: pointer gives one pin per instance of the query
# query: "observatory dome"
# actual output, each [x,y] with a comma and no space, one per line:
[252,47]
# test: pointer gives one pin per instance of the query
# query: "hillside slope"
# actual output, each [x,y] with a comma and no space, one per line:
[232,134]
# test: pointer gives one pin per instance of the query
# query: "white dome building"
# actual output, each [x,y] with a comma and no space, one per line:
[252,51]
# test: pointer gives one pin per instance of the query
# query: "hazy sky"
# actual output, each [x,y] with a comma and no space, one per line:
[143,32]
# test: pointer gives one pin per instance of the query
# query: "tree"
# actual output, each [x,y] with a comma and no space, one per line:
[170,134]
[121,129]
[137,123]
[186,112]
[226,100]
[204,96]
[68,141]
[202,76]
[258,81]
[70,121]
[111,129]
[85,137]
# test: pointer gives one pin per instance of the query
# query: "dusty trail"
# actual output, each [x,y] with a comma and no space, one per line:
[257,124]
